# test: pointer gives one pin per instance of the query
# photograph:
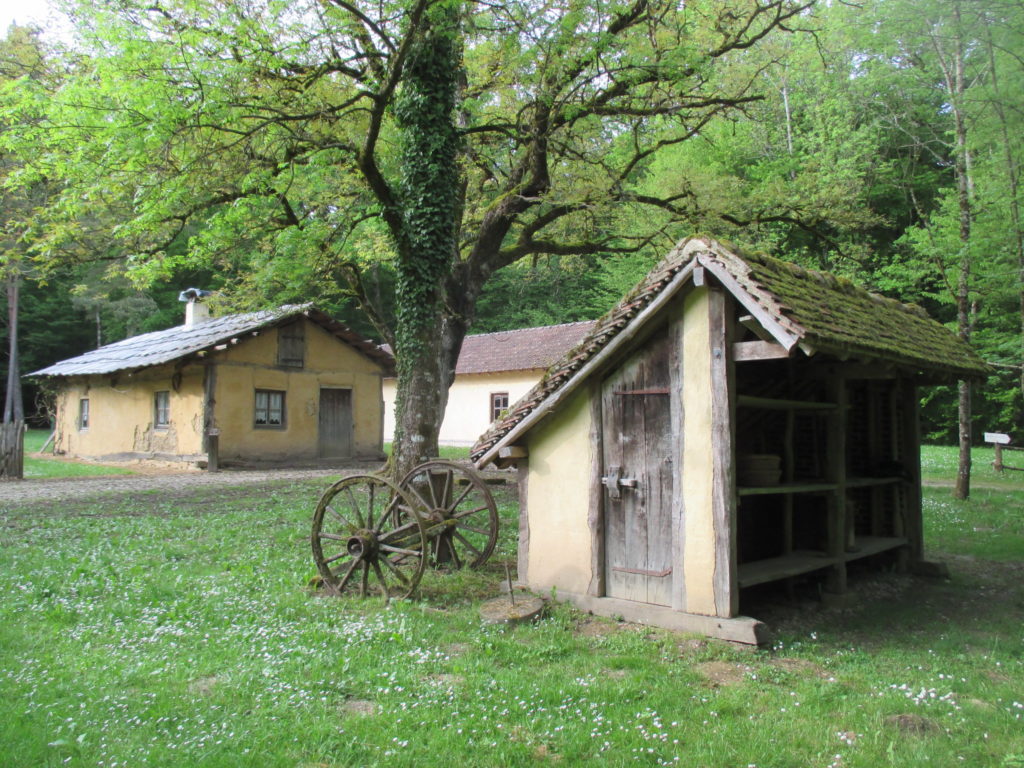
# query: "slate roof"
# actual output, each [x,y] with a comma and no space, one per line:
[819,311]
[172,344]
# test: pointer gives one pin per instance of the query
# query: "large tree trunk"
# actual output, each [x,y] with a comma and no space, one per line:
[427,343]
[13,407]
[424,379]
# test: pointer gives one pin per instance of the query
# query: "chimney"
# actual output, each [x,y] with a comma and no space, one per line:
[196,311]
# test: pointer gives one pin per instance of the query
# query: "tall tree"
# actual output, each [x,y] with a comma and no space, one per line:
[21,60]
[450,138]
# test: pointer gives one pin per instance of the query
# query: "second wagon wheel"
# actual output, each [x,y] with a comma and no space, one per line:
[458,511]
[368,537]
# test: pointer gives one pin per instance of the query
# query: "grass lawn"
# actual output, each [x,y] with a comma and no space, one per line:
[50,466]
[180,631]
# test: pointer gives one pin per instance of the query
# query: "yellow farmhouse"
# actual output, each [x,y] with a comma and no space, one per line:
[494,370]
[280,386]
[734,421]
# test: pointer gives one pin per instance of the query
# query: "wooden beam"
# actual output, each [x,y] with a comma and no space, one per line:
[723,494]
[595,509]
[523,555]
[698,277]
[748,322]
[677,415]
[513,452]
[782,335]
[739,629]
[758,350]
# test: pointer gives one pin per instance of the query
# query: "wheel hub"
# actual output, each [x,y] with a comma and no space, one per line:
[362,546]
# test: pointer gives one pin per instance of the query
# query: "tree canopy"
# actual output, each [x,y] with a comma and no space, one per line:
[426,160]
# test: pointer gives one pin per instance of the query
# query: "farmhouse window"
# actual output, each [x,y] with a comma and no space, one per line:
[499,405]
[291,345]
[83,413]
[162,409]
[269,408]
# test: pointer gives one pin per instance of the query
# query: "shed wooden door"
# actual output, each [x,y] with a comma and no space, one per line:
[335,423]
[638,476]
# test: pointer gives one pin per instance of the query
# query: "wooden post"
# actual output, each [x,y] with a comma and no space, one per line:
[727,594]
[677,414]
[913,523]
[595,514]
[12,450]
[523,554]
[836,503]
[998,463]
[211,435]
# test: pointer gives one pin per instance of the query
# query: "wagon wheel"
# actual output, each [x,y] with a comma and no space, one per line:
[458,511]
[367,536]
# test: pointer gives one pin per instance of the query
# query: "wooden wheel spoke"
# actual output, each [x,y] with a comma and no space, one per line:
[355,506]
[468,512]
[455,504]
[401,531]
[395,570]
[380,577]
[369,509]
[364,581]
[449,481]
[340,516]
[329,560]
[455,553]
[400,551]
[433,491]
[424,502]
[481,531]
[348,575]
[332,536]
[467,543]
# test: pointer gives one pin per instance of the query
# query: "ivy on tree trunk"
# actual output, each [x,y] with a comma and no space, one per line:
[428,194]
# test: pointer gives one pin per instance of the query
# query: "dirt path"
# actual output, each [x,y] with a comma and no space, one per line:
[13,494]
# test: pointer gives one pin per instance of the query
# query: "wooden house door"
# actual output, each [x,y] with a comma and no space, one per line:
[335,423]
[638,476]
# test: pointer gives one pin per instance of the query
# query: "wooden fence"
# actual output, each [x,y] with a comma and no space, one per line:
[12,450]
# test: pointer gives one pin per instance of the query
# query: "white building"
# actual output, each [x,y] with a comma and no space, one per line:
[494,370]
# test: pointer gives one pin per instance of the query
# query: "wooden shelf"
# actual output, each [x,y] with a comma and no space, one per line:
[806,561]
[870,482]
[784,488]
[775,568]
[775,404]
[873,545]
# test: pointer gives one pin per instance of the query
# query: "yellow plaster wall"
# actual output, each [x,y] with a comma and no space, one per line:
[558,488]
[469,403]
[121,416]
[697,469]
[329,364]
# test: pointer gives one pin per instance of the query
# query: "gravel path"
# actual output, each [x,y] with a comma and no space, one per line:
[78,488]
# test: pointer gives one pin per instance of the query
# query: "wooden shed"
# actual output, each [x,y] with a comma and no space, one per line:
[735,420]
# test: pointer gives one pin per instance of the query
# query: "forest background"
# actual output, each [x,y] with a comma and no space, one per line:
[881,141]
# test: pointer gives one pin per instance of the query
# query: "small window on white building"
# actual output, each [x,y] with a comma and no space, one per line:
[499,405]
[269,409]
[162,409]
[83,413]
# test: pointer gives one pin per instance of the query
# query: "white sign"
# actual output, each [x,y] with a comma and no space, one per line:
[997,437]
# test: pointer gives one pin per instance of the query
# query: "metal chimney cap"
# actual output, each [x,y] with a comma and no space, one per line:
[191,294]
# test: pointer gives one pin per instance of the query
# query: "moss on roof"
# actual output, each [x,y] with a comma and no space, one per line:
[824,312]
[833,314]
